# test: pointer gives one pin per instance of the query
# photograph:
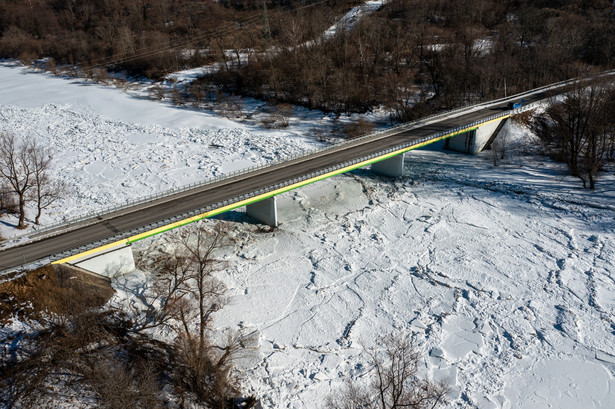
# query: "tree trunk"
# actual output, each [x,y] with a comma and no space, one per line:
[38,213]
[592,183]
[22,212]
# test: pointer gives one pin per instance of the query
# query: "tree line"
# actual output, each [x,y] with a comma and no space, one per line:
[416,56]
[410,57]
[25,177]
[150,37]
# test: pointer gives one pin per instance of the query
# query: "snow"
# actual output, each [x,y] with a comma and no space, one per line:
[577,384]
[503,276]
[190,74]
[234,58]
[111,147]
[19,85]
[351,18]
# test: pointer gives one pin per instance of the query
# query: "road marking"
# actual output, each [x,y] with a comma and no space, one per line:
[92,251]
[263,196]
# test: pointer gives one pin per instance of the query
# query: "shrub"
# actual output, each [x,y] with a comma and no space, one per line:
[395,381]
[359,128]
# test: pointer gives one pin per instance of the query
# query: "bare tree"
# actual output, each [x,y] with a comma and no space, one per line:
[165,299]
[17,169]
[24,169]
[205,366]
[183,280]
[184,297]
[396,382]
[46,191]
[600,139]
[578,131]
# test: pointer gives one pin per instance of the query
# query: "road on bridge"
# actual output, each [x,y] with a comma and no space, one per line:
[146,214]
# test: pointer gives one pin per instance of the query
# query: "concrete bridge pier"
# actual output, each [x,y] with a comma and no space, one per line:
[475,141]
[392,167]
[108,262]
[264,211]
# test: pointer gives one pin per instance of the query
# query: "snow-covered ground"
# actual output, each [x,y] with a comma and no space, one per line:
[111,146]
[504,276]
[349,19]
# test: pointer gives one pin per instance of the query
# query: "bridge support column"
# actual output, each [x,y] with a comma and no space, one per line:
[475,141]
[264,211]
[109,262]
[390,167]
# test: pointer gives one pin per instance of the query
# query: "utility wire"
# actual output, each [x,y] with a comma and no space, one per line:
[149,51]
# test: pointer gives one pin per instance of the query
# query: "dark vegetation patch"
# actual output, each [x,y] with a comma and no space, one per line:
[71,346]
[152,37]
[52,290]
[415,57]
[412,57]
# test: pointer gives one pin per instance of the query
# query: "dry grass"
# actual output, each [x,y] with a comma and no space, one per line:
[524,118]
[57,290]
[358,128]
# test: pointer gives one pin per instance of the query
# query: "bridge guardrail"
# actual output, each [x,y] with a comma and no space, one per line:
[57,227]
[211,180]
[125,235]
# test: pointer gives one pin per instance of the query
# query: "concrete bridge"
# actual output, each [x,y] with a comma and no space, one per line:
[102,243]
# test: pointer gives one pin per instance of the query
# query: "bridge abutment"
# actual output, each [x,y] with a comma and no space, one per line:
[475,141]
[392,167]
[264,211]
[109,262]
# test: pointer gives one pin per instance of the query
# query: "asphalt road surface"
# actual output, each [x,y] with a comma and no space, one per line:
[132,218]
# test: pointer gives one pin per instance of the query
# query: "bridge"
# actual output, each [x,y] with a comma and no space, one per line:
[102,243]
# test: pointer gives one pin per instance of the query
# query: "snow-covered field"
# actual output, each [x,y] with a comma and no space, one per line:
[504,276]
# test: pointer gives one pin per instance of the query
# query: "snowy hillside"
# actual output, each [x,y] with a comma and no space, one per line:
[504,276]
[348,20]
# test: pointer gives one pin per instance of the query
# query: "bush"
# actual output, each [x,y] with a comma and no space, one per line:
[359,128]
[77,348]
[395,381]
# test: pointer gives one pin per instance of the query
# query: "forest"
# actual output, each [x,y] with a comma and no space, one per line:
[410,57]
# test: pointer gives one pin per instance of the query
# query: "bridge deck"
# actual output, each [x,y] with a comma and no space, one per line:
[131,221]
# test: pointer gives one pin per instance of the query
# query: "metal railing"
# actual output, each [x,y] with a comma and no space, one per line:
[93,218]
[237,199]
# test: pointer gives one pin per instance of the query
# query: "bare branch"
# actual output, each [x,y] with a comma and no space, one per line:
[396,382]
[17,170]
